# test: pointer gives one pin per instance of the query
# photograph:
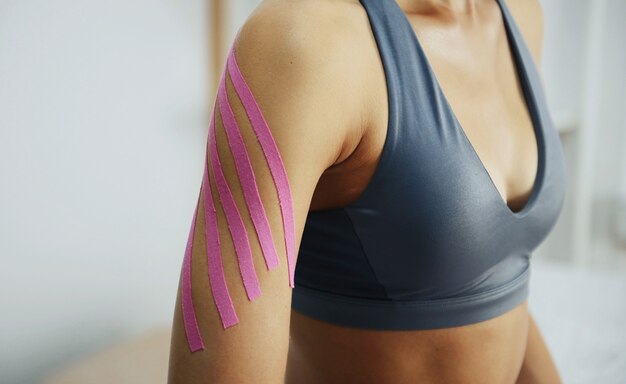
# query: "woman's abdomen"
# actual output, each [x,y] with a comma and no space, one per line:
[488,352]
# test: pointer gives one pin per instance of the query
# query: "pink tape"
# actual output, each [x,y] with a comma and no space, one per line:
[194,338]
[247,179]
[272,155]
[235,223]
[217,280]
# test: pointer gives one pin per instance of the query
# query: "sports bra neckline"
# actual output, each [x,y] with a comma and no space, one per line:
[521,69]
[529,101]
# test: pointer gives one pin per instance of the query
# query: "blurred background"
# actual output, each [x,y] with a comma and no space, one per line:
[104,110]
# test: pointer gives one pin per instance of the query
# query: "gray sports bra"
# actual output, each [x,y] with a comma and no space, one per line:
[430,243]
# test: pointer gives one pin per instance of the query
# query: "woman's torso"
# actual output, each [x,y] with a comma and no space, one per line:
[464,60]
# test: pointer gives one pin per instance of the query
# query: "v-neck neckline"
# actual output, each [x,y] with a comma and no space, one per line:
[529,100]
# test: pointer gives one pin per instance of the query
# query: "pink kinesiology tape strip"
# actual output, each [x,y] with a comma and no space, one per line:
[247,179]
[272,156]
[194,338]
[217,280]
[235,223]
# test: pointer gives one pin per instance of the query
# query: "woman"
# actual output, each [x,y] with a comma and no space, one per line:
[404,149]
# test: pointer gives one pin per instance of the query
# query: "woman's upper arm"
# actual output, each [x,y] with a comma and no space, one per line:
[275,127]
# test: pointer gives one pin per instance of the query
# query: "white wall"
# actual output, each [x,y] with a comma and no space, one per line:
[583,61]
[608,124]
[103,117]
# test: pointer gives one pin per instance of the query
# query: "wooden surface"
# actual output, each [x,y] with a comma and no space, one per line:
[143,360]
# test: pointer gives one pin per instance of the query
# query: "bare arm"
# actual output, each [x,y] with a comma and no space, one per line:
[538,366]
[231,323]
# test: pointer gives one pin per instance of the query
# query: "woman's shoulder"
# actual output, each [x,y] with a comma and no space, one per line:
[317,31]
[307,57]
[528,15]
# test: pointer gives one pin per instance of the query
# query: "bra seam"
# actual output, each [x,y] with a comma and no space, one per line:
[496,293]
[364,253]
